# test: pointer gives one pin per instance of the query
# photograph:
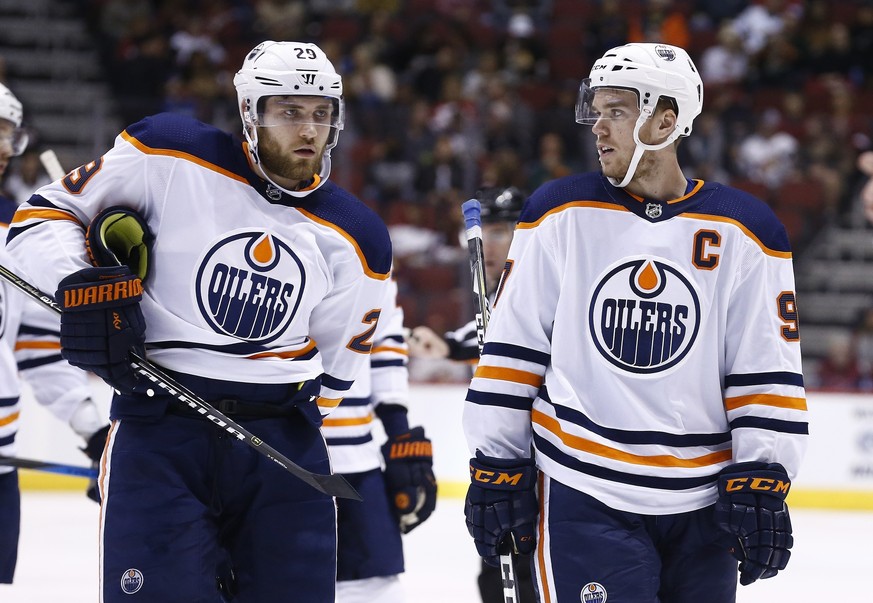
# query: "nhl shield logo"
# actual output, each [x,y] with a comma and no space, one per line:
[654,210]
[273,193]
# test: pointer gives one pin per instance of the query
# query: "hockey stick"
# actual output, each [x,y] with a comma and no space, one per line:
[332,484]
[51,164]
[472,210]
[472,219]
[50,467]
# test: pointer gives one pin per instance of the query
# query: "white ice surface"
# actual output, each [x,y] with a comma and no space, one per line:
[832,559]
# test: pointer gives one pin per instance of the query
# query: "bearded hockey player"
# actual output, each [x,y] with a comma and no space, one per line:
[258,292]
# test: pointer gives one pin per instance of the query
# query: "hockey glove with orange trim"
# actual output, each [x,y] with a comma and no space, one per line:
[751,506]
[101,322]
[409,477]
[501,504]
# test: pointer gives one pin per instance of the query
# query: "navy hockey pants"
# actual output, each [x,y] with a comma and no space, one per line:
[591,553]
[368,533]
[10,524]
[182,498]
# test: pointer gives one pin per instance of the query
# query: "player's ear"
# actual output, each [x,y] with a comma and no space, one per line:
[665,122]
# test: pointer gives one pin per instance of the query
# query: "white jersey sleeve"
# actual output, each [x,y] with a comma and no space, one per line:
[352,439]
[30,350]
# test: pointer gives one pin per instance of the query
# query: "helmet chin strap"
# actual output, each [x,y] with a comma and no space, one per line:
[640,148]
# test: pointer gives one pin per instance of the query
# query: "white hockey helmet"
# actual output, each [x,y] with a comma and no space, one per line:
[287,69]
[653,71]
[11,111]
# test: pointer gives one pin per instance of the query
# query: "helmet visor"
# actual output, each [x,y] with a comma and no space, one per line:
[602,102]
[284,111]
[323,114]
[13,140]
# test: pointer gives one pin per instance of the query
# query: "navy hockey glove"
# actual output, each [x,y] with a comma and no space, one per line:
[94,450]
[501,504]
[102,322]
[751,506]
[409,477]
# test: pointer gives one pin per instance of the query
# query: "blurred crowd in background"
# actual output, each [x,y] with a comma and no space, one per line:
[448,96]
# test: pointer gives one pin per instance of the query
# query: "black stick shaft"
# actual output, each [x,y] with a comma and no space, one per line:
[48,466]
[473,221]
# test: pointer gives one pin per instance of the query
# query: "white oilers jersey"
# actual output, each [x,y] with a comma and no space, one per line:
[660,344]
[349,429]
[247,284]
[30,348]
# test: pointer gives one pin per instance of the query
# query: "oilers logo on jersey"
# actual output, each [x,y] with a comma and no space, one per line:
[644,315]
[249,285]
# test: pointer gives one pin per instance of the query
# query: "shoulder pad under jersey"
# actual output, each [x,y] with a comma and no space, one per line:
[337,208]
[562,191]
[747,210]
[186,138]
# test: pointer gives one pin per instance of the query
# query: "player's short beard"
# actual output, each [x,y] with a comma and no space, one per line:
[283,164]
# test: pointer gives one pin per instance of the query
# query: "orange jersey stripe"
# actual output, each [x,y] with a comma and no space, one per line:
[37,345]
[289,354]
[658,460]
[328,402]
[347,422]
[46,214]
[181,155]
[696,188]
[508,374]
[707,217]
[10,419]
[385,348]
[765,400]
[350,239]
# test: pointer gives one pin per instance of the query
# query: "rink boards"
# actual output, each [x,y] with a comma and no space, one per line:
[837,472]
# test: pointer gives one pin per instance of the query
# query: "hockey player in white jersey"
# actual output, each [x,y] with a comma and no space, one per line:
[30,349]
[261,292]
[638,411]
[399,497]
[500,208]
